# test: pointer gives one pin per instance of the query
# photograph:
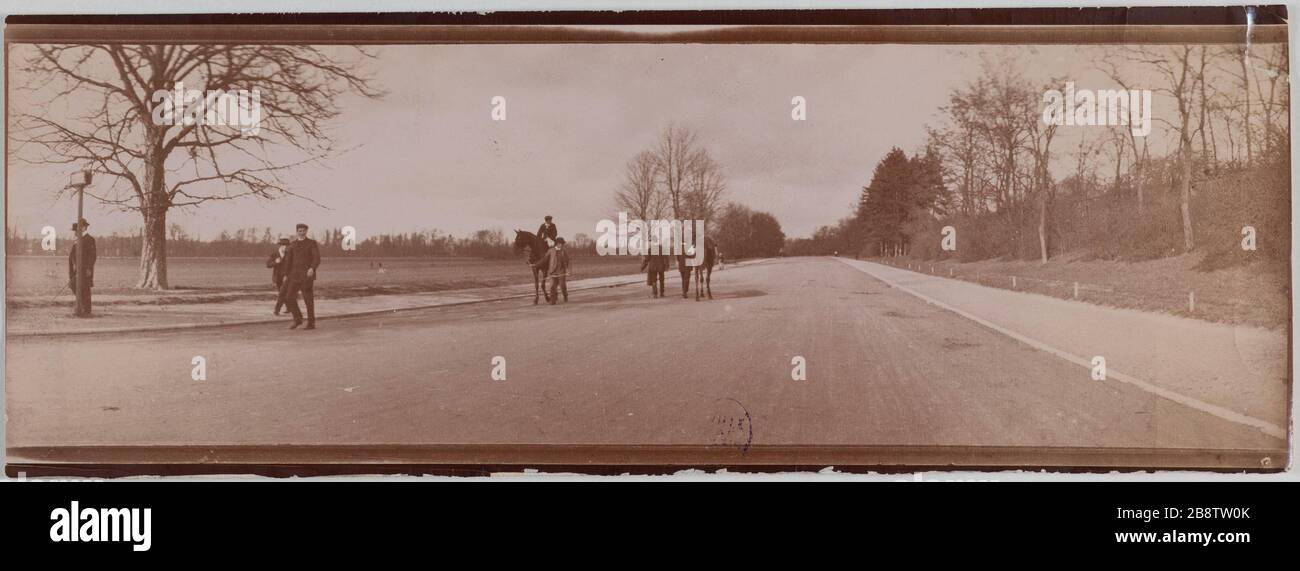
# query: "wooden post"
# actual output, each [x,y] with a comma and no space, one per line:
[1076,290]
[81,252]
[1191,301]
[1013,282]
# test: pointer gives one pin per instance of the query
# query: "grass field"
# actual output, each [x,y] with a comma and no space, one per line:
[28,276]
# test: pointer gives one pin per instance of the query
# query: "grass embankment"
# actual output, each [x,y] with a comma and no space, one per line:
[1255,293]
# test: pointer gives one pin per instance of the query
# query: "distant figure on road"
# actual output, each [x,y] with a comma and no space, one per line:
[301,262]
[276,263]
[557,262]
[547,231]
[654,266]
[87,245]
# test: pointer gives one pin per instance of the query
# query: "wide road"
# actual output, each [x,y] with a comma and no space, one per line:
[613,366]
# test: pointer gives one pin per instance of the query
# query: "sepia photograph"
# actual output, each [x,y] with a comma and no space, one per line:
[303,250]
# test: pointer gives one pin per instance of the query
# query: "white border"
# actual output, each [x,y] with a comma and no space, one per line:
[55,7]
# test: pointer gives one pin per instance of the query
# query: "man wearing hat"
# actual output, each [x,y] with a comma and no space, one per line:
[87,246]
[276,263]
[300,262]
[556,261]
[547,231]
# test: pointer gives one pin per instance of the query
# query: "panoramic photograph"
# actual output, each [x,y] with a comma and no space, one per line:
[649,253]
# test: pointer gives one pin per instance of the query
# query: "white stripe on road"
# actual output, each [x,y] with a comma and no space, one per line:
[1216,410]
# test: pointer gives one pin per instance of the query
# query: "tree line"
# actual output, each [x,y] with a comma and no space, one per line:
[1216,161]
[253,242]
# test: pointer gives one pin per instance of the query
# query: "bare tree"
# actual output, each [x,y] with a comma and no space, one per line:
[1140,154]
[705,187]
[156,167]
[640,194]
[675,156]
[1040,148]
[1007,112]
[959,144]
[1271,69]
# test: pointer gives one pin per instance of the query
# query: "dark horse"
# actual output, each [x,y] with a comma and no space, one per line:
[703,272]
[536,249]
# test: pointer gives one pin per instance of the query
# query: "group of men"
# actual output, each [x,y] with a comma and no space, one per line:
[293,270]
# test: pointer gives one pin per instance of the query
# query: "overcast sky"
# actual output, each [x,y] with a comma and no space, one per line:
[429,156]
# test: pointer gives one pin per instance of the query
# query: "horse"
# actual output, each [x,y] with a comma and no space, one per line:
[536,250]
[703,272]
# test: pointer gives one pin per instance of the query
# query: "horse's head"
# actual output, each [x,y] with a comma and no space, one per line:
[522,240]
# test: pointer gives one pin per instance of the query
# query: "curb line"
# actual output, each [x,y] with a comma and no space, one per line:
[366,313]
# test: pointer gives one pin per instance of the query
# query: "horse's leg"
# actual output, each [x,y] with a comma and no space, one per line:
[708,281]
[697,282]
[535,294]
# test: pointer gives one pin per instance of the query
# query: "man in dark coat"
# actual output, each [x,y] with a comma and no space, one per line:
[276,263]
[300,262]
[548,231]
[654,265]
[557,262]
[86,245]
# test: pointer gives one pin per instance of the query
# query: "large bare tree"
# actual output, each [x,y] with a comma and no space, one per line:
[705,186]
[675,157]
[1175,66]
[640,194]
[1040,149]
[105,121]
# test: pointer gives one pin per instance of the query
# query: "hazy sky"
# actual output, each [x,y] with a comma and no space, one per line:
[429,156]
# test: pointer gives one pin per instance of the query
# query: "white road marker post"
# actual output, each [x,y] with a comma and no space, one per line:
[1076,290]
[1191,301]
[1013,282]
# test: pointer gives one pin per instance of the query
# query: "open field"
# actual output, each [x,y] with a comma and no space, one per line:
[30,276]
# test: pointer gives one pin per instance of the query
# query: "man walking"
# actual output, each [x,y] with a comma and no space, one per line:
[654,265]
[276,263]
[300,262]
[557,262]
[85,248]
[547,231]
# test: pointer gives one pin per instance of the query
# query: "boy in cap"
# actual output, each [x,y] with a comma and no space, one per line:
[276,263]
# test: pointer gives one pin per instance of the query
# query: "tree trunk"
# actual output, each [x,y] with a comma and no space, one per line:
[1042,226]
[1186,205]
[153,206]
[153,251]
[1245,118]
[1138,163]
